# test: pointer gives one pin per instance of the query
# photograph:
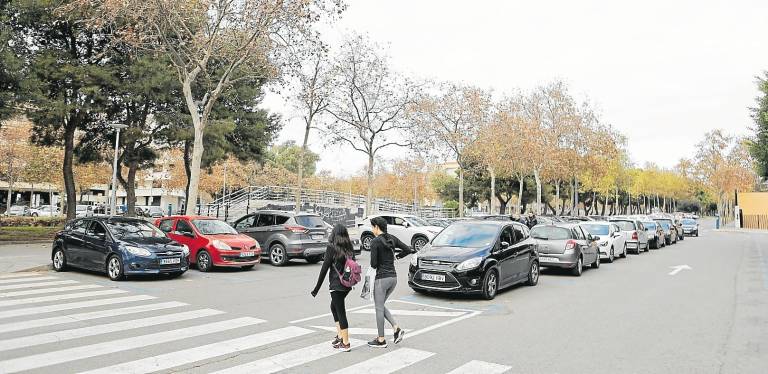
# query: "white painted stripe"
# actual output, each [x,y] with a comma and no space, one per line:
[70,306]
[441,324]
[42,299]
[205,352]
[475,366]
[22,280]
[18,275]
[329,314]
[49,290]
[287,360]
[72,318]
[120,345]
[81,332]
[418,313]
[387,363]
[434,306]
[358,330]
[39,284]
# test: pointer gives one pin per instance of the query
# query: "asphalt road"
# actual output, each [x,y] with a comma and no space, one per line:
[631,316]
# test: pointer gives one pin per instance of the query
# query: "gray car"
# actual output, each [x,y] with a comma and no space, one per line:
[286,235]
[690,227]
[567,246]
[670,230]
[637,237]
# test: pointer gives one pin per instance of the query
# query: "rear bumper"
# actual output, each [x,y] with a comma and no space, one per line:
[565,261]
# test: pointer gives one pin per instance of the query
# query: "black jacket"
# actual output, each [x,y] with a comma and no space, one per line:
[335,266]
[383,255]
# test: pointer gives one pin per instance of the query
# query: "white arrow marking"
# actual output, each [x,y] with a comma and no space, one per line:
[678,269]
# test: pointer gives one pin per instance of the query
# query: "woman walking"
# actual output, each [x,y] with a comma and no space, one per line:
[383,260]
[336,254]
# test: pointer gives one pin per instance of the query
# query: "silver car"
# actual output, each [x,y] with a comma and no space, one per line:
[690,227]
[567,246]
[634,231]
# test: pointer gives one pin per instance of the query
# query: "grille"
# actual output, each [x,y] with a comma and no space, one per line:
[450,281]
[436,265]
[238,258]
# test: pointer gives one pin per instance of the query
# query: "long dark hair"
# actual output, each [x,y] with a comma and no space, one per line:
[340,242]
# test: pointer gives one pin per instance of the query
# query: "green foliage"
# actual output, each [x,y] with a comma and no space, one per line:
[11,67]
[759,145]
[287,155]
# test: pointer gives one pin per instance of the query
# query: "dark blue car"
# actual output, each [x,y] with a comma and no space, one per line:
[118,247]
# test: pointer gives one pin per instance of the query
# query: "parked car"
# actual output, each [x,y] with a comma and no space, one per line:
[690,227]
[118,247]
[19,210]
[598,218]
[656,237]
[612,241]
[679,228]
[576,219]
[566,246]
[151,211]
[286,235]
[44,211]
[476,257]
[670,231]
[634,231]
[409,229]
[211,242]
[493,217]
[83,210]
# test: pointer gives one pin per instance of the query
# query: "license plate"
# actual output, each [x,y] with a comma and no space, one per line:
[247,254]
[433,277]
[318,237]
[169,261]
[549,259]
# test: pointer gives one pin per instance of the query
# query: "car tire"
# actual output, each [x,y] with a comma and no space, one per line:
[596,264]
[34,214]
[419,242]
[203,261]
[314,259]
[490,284]
[610,256]
[277,255]
[647,246]
[533,274]
[59,260]
[247,267]
[579,268]
[365,241]
[115,270]
[624,252]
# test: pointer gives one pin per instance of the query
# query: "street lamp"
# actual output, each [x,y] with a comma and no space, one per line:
[113,192]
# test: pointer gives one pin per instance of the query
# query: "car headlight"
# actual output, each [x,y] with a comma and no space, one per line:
[185,249]
[415,259]
[218,244]
[604,244]
[138,251]
[470,264]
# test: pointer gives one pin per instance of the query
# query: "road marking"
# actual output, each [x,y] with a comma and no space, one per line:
[81,332]
[433,305]
[39,284]
[358,330]
[388,362]
[22,280]
[475,366]
[329,314]
[49,290]
[59,320]
[419,313]
[287,360]
[678,269]
[18,275]
[120,345]
[205,352]
[42,299]
[70,306]
[441,324]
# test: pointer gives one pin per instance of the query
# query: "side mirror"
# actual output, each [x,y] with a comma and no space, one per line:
[406,224]
[504,245]
[101,236]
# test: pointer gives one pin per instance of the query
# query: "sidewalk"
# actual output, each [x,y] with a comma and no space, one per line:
[17,257]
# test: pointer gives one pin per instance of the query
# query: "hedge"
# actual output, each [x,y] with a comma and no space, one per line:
[32,221]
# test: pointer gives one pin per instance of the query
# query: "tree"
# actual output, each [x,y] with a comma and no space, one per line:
[451,120]
[294,158]
[367,103]
[11,65]
[14,154]
[38,169]
[213,45]
[758,146]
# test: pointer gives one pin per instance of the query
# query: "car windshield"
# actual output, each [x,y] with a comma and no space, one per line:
[550,233]
[689,222]
[665,225]
[466,235]
[213,227]
[310,221]
[417,222]
[596,229]
[625,225]
[133,229]
[649,226]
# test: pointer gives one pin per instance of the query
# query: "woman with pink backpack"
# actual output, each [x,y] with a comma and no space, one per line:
[340,256]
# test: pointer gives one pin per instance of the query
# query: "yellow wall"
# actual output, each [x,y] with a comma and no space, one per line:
[753,202]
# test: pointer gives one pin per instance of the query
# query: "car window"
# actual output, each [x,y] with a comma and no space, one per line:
[265,220]
[245,222]
[626,225]
[520,235]
[418,222]
[507,235]
[597,228]
[399,221]
[550,233]
[96,229]
[78,227]
[279,220]
[577,233]
[310,221]
[213,227]
[184,227]
[166,225]
[133,229]
[466,235]
[640,226]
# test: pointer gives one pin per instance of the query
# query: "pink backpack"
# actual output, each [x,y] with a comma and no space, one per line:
[352,275]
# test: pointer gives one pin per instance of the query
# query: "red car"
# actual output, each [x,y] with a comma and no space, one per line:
[211,242]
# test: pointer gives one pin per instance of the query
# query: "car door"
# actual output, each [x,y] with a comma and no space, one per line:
[398,229]
[168,226]
[592,251]
[247,225]
[581,241]
[73,242]
[642,235]
[95,246]
[523,247]
[505,254]
[263,228]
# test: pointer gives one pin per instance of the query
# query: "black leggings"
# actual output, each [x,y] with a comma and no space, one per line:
[338,309]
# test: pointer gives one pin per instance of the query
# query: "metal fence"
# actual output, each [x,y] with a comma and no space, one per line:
[755,221]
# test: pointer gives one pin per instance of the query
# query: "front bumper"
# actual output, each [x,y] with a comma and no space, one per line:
[234,259]
[464,282]
[151,265]
[558,260]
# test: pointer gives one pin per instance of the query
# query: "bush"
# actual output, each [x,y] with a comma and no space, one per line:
[32,221]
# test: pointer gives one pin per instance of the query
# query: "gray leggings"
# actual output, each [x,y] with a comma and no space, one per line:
[381,291]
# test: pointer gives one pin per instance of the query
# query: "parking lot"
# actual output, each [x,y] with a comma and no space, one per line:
[635,315]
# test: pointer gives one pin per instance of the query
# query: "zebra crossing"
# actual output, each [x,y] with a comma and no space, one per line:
[49,324]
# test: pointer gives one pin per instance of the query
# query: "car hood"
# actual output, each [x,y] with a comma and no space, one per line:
[451,254]
[431,229]
[153,244]
[239,240]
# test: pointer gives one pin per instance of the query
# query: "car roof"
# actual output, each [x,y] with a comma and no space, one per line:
[115,219]
[286,212]
[188,217]
[488,222]
[565,225]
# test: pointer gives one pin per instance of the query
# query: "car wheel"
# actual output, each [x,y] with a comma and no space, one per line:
[419,242]
[596,264]
[115,268]
[610,256]
[579,268]
[366,241]
[34,214]
[204,262]
[314,259]
[490,284]
[647,246]
[624,252]
[59,260]
[533,274]
[277,255]
[247,267]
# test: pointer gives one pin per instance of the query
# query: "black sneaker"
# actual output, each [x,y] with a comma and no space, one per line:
[375,343]
[336,341]
[399,334]
[343,347]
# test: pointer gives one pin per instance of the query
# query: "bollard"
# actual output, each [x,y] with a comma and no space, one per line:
[170,209]
[717,223]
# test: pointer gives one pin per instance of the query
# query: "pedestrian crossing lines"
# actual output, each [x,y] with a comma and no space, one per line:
[64,326]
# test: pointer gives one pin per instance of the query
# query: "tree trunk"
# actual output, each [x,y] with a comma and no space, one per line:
[369,195]
[493,191]
[187,170]
[538,191]
[521,182]
[130,188]
[8,202]
[194,174]
[576,194]
[605,202]
[557,195]
[69,178]
[307,128]
[461,191]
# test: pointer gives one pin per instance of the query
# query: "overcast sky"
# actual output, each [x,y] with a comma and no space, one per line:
[661,72]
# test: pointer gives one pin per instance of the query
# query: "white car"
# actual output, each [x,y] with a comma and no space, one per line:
[613,241]
[44,211]
[410,229]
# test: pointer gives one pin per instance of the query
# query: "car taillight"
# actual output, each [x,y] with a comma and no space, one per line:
[634,235]
[297,229]
[571,244]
